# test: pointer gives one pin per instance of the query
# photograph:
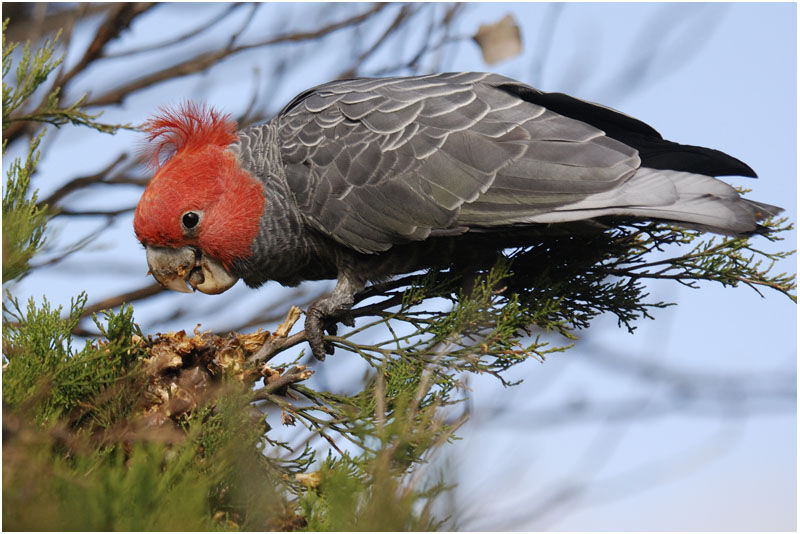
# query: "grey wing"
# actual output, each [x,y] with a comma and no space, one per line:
[375,162]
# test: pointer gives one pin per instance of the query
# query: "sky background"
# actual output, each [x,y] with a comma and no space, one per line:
[623,432]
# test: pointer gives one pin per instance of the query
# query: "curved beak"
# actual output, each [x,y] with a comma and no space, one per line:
[174,268]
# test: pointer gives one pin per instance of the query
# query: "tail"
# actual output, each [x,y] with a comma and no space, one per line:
[684,198]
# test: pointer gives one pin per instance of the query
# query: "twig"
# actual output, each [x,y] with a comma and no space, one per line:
[131,296]
[34,29]
[184,37]
[73,248]
[202,62]
[94,213]
[279,340]
[80,183]
[119,18]
[404,14]
[295,374]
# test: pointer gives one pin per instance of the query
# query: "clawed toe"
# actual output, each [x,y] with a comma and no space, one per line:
[324,314]
[314,334]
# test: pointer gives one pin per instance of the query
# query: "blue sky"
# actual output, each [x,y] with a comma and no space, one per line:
[724,76]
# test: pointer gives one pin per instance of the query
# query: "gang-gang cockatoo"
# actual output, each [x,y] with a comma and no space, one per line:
[357,180]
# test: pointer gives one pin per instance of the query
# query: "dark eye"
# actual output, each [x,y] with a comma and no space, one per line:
[190,219]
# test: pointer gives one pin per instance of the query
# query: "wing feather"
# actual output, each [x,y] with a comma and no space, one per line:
[375,162]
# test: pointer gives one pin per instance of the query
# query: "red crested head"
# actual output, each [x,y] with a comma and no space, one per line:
[189,128]
[198,195]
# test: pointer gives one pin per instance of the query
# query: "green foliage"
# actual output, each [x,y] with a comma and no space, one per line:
[136,478]
[69,451]
[31,72]
[384,487]
[431,329]
[43,371]
[349,498]
[145,488]
[23,219]
[80,451]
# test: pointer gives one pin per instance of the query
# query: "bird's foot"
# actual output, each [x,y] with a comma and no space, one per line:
[324,313]
[316,325]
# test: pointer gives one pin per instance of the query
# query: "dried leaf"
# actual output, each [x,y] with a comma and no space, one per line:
[291,318]
[500,40]
[252,342]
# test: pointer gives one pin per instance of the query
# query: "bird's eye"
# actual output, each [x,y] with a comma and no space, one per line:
[190,219]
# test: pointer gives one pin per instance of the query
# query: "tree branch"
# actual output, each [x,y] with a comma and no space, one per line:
[177,40]
[202,62]
[120,17]
[81,182]
[125,298]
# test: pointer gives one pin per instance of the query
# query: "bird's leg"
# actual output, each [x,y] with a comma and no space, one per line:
[469,268]
[325,312]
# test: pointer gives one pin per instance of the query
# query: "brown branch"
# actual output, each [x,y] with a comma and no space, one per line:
[274,345]
[330,28]
[446,24]
[109,303]
[125,298]
[196,64]
[75,247]
[203,61]
[119,18]
[297,373]
[80,183]
[22,28]
[280,339]
[383,287]
[184,37]
[405,13]
[252,114]
[16,129]
[247,22]
[378,307]
[69,32]
[427,46]
[93,213]
[129,180]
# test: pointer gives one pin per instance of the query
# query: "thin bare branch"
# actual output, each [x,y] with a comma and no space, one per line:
[207,25]
[275,345]
[125,298]
[406,12]
[34,28]
[204,61]
[119,18]
[82,182]
[74,247]
[94,213]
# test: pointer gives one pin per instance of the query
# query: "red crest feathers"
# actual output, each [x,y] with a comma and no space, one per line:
[189,127]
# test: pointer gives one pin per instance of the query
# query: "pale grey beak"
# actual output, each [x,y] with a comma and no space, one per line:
[174,268]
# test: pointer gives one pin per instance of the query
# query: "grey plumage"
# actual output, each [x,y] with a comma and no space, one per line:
[355,168]
[377,162]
